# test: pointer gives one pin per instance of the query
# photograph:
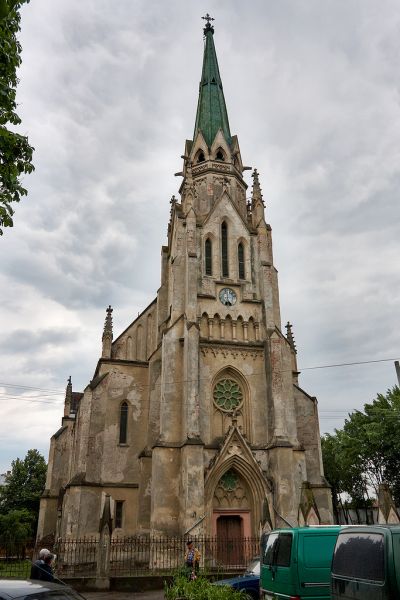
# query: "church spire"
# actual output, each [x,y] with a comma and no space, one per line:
[211,109]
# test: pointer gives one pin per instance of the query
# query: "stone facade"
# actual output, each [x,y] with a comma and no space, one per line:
[194,420]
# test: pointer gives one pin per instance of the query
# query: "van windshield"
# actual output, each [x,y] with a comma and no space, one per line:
[359,556]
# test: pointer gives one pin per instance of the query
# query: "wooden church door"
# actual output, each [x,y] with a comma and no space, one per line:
[230,540]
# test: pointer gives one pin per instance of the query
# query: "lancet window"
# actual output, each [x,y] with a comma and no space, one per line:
[208,256]
[123,423]
[241,261]
[224,250]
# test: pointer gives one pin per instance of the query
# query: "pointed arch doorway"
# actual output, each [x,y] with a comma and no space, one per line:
[232,518]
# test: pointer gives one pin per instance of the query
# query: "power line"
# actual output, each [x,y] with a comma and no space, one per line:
[29,387]
[361,362]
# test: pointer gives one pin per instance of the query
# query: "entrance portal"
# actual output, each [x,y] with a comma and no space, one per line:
[230,539]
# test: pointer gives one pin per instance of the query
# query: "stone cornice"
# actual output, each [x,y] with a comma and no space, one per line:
[225,348]
[102,484]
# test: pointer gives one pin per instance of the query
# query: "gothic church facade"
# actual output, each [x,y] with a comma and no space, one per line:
[194,421]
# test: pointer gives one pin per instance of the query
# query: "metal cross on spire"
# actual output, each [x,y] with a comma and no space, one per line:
[208,27]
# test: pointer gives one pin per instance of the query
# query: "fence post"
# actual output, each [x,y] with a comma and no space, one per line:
[103,560]
[104,548]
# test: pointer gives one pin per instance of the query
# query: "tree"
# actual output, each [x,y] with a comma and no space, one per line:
[15,151]
[24,485]
[343,474]
[366,452]
[17,526]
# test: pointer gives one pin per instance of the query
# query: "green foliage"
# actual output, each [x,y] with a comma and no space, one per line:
[15,151]
[17,526]
[200,589]
[24,485]
[366,452]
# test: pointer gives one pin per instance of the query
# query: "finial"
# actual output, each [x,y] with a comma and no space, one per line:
[234,418]
[208,27]
[289,336]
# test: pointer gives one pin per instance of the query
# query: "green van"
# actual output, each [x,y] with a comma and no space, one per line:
[366,563]
[296,563]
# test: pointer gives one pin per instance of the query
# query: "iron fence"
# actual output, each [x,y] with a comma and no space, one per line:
[16,558]
[141,555]
[128,556]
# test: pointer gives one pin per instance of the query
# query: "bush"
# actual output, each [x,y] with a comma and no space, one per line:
[200,589]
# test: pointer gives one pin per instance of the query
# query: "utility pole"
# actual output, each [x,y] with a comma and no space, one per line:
[397,367]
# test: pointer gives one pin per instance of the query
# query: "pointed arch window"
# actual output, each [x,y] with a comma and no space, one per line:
[201,157]
[220,155]
[208,256]
[241,269]
[123,423]
[224,250]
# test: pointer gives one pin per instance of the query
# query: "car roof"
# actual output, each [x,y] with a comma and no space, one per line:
[309,529]
[13,588]
[371,528]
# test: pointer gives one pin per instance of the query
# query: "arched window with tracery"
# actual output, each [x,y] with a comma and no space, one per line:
[123,423]
[241,269]
[230,398]
[224,250]
[208,256]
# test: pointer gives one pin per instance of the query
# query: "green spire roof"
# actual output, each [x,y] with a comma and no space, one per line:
[211,109]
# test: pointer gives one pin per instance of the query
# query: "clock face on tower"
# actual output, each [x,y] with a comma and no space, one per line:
[227,297]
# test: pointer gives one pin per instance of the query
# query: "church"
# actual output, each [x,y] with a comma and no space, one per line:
[194,421]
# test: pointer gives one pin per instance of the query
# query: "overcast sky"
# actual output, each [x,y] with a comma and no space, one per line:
[108,96]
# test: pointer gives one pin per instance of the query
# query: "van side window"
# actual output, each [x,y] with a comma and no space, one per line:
[284,550]
[278,549]
[269,548]
[359,556]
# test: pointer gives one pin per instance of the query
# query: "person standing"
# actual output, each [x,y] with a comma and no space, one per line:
[192,559]
[41,568]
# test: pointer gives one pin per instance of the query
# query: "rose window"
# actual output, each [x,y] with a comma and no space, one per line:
[227,395]
[229,481]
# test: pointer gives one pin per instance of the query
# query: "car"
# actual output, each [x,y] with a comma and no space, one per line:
[366,563]
[33,589]
[296,562]
[248,583]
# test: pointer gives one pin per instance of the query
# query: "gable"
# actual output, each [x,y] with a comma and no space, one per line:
[226,210]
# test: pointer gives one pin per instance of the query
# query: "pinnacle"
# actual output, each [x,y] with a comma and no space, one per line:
[289,335]
[108,325]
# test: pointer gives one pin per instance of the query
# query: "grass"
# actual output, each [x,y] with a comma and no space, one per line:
[15,569]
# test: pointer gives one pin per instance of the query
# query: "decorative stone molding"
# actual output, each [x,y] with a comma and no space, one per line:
[236,352]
